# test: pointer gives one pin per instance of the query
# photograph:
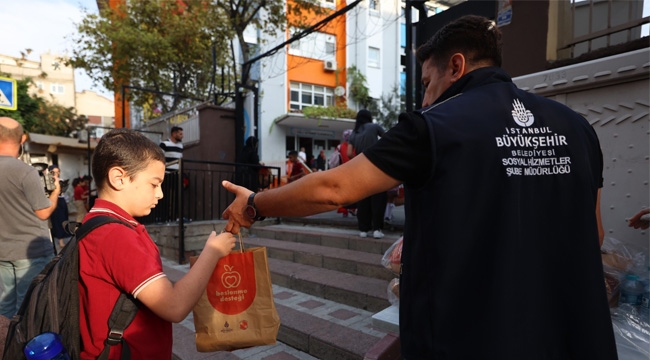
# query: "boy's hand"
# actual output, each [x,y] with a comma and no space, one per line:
[222,243]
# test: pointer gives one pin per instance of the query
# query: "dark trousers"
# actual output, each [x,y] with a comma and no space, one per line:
[168,206]
[370,212]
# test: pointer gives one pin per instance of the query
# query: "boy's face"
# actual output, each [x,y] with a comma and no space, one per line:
[142,193]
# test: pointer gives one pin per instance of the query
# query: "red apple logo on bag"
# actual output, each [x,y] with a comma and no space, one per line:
[232,287]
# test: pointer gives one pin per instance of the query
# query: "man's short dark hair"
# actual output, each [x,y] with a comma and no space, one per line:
[175,129]
[293,153]
[127,149]
[476,37]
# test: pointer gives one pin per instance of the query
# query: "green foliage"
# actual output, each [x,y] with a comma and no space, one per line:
[160,45]
[166,45]
[318,112]
[357,87]
[387,108]
[40,116]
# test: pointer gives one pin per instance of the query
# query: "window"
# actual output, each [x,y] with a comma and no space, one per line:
[373,5]
[331,4]
[316,45]
[39,85]
[304,95]
[57,88]
[373,57]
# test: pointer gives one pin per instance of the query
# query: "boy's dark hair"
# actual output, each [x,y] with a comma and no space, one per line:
[127,149]
[476,37]
[175,129]
[293,153]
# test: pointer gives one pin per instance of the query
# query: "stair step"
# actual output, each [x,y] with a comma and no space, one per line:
[321,338]
[323,328]
[343,260]
[354,290]
[325,236]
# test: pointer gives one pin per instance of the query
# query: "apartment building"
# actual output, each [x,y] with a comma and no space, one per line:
[52,79]
[313,72]
[55,82]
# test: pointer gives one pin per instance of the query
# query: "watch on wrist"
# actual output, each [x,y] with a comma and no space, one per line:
[251,210]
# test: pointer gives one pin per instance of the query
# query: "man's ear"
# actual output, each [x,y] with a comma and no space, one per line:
[117,178]
[457,66]
[23,139]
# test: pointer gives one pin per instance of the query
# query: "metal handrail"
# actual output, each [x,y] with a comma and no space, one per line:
[195,191]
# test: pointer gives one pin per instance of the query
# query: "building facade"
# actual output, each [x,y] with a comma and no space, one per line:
[313,71]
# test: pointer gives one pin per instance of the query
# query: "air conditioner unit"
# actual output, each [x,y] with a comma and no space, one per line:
[329,65]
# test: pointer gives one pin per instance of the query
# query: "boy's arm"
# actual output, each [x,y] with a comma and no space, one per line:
[174,301]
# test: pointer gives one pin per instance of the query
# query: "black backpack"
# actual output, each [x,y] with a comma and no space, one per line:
[52,303]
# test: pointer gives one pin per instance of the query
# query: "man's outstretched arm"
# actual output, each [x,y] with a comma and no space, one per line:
[315,193]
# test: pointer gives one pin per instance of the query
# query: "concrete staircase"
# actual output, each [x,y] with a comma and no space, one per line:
[328,263]
[327,282]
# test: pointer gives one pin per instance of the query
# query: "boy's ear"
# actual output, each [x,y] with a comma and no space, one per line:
[117,178]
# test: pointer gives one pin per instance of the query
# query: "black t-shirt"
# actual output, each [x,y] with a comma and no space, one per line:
[404,152]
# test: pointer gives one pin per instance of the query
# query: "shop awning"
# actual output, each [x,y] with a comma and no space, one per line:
[336,125]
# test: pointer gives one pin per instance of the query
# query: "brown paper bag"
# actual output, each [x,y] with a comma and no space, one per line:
[237,309]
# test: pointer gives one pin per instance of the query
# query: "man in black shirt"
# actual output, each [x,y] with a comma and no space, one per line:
[501,256]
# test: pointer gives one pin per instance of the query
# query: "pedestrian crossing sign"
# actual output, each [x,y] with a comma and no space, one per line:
[8,94]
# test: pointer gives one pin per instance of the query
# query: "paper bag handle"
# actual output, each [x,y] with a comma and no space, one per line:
[241,241]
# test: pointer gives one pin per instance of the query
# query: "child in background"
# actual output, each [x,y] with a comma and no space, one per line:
[114,258]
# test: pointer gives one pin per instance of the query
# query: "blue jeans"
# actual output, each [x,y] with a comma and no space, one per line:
[16,276]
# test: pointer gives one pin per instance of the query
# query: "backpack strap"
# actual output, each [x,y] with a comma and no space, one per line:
[125,308]
[121,317]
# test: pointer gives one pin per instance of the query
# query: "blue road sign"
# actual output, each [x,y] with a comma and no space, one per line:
[8,94]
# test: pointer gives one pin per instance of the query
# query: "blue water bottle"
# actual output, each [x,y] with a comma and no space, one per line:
[46,346]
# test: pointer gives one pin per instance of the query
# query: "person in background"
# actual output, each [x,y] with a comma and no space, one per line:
[303,156]
[321,160]
[352,208]
[173,147]
[481,227]
[640,220]
[115,258]
[295,170]
[92,193]
[370,211]
[81,198]
[25,245]
[391,195]
[60,214]
[250,156]
[173,150]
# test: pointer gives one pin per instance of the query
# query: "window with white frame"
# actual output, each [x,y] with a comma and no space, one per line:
[317,45]
[373,56]
[57,88]
[39,85]
[305,95]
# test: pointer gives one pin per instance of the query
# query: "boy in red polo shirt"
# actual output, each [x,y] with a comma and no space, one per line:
[129,169]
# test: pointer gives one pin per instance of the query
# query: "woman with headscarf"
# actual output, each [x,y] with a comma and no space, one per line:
[370,211]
